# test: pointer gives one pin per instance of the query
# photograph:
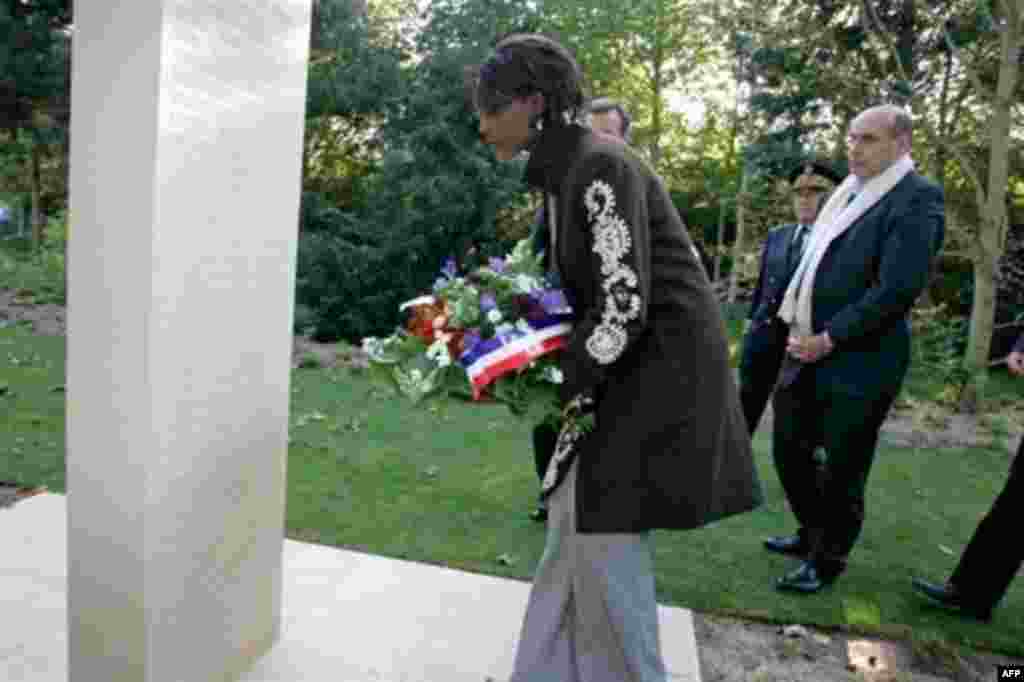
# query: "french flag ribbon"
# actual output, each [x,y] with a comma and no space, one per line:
[490,359]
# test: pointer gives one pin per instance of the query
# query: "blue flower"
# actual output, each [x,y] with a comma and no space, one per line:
[497,264]
[449,268]
[554,302]
[470,339]
[487,303]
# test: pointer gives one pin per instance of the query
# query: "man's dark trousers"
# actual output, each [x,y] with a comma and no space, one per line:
[763,351]
[831,511]
[764,344]
[996,550]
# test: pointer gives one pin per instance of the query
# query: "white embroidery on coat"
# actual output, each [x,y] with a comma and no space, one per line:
[612,242]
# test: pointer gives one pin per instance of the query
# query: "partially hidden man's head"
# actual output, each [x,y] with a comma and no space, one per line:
[608,117]
[878,137]
[811,183]
[530,82]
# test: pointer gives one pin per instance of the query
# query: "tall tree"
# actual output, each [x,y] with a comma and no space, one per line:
[436,190]
[983,40]
[637,51]
[35,95]
[355,80]
[957,65]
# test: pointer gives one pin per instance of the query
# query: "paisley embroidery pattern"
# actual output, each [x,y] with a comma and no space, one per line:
[612,242]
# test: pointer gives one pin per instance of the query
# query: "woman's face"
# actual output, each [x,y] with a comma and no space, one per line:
[508,128]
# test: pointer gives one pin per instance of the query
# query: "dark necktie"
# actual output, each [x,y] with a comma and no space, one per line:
[796,247]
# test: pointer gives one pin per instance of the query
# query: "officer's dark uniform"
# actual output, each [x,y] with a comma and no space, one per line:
[765,342]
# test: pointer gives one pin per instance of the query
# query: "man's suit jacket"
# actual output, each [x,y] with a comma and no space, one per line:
[765,340]
[865,287]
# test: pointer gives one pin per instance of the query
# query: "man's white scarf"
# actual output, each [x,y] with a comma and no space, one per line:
[833,220]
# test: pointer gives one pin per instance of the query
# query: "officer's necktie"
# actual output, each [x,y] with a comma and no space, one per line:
[796,247]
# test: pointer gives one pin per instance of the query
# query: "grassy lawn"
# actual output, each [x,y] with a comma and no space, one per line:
[452,486]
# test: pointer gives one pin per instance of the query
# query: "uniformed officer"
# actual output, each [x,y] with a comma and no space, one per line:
[764,344]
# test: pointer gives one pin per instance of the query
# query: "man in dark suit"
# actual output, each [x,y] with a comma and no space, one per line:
[764,344]
[995,552]
[848,349]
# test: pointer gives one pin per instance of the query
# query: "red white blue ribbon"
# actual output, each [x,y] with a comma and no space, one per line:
[492,358]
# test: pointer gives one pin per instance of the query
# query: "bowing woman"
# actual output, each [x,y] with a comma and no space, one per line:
[647,361]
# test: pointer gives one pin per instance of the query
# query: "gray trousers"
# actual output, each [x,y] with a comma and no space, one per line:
[592,615]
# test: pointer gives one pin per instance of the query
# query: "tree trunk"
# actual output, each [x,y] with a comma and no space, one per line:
[941,156]
[718,238]
[979,339]
[656,103]
[992,237]
[738,245]
[37,184]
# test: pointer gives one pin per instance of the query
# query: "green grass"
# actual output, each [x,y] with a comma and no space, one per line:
[31,408]
[37,277]
[453,487]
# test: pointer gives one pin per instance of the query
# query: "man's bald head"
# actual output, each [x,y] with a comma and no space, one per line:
[899,122]
[877,138]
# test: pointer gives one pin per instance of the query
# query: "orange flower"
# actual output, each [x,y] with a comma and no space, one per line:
[421,320]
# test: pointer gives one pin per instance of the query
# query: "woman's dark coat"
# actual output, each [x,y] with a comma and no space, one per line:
[671,448]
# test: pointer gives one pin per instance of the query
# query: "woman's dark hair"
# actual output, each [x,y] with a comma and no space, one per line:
[528,63]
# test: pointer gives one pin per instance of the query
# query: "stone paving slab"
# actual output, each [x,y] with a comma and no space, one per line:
[348,616]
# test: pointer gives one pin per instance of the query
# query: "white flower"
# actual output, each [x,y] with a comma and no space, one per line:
[524,326]
[525,284]
[505,330]
[494,316]
[375,348]
[438,351]
[554,375]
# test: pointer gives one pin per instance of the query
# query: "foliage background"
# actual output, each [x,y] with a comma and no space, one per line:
[727,97]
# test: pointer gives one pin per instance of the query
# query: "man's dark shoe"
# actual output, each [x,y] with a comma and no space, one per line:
[790,545]
[807,578]
[949,597]
[540,515]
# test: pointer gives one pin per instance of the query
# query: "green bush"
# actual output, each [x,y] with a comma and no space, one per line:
[937,342]
[39,274]
[339,286]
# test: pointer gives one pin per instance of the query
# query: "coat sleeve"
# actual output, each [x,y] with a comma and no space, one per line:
[612,212]
[1019,346]
[903,269]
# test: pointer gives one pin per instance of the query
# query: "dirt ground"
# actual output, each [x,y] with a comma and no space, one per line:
[733,650]
[730,649]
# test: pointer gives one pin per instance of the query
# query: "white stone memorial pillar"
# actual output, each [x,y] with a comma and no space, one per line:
[186,138]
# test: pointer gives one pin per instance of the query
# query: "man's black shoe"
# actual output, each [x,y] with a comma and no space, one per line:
[790,545]
[806,578]
[540,515]
[948,597]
